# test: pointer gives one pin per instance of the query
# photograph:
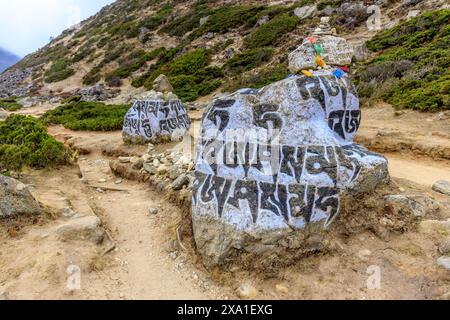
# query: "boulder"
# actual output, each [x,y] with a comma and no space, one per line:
[162,84]
[155,117]
[336,52]
[273,164]
[415,205]
[16,199]
[442,186]
[81,228]
[306,12]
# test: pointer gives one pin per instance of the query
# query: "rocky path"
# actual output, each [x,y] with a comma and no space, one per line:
[147,264]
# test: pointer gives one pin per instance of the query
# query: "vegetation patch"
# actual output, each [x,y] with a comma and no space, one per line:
[412,69]
[259,79]
[60,70]
[189,73]
[269,33]
[226,18]
[24,141]
[10,104]
[88,116]
[248,59]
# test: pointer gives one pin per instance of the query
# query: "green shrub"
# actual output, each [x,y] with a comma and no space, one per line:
[412,68]
[270,32]
[184,24]
[90,116]
[248,59]
[24,141]
[132,63]
[226,18]
[259,79]
[10,104]
[155,21]
[60,70]
[189,73]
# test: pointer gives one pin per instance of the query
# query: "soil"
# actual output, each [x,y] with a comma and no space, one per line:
[147,263]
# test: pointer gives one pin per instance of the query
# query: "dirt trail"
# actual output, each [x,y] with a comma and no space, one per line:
[148,264]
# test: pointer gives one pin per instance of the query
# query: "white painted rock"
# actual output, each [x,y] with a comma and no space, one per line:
[336,52]
[276,161]
[155,117]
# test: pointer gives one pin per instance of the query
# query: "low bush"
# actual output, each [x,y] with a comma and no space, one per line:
[248,59]
[412,68]
[60,70]
[10,104]
[259,79]
[24,141]
[89,116]
[270,32]
[226,18]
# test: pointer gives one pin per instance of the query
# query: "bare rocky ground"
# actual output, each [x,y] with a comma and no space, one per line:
[143,256]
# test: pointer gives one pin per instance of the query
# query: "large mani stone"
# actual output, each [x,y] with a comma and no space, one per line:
[16,200]
[156,117]
[336,52]
[274,163]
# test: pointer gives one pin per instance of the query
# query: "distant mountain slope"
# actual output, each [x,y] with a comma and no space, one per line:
[7,59]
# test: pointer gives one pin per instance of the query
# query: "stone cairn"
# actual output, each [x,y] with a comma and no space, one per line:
[156,116]
[272,165]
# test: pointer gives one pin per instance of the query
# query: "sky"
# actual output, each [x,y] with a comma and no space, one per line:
[27,25]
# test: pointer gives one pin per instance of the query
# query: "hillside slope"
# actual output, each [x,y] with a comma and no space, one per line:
[202,46]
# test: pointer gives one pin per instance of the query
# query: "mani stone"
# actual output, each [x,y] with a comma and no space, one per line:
[336,51]
[155,117]
[16,199]
[272,166]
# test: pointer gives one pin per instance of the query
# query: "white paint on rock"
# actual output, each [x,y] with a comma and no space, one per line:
[153,116]
[309,122]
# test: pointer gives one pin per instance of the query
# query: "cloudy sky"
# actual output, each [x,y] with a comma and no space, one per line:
[27,25]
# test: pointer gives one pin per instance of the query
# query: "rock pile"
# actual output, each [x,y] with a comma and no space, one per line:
[156,116]
[12,83]
[332,49]
[97,93]
[272,164]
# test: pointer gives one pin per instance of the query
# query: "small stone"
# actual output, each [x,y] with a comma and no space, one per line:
[149,168]
[83,228]
[153,211]
[124,159]
[247,291]
[100,190]
[444,262]
[180,182]
[118,181]
[442,186]
[67,212]
[364,254]
[137,163]
[282,289]
[444,248]
[101,180]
